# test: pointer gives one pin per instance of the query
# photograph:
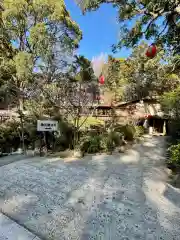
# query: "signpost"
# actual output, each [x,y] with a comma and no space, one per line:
[46,126]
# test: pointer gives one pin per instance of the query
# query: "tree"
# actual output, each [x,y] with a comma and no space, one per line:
[171,103]
[82,69]
[114,72]
[155,20]
[37,33]
[148,78]
[40,37]
[71,95]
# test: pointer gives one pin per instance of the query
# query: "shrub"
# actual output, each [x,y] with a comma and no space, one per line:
[139,131]
[174,151]
[109,143]
[9,137]
[101,143]
[90,122]
[91,145]
[128,131]
[115,137]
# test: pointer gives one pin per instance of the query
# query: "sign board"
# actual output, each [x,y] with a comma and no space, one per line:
[47,125]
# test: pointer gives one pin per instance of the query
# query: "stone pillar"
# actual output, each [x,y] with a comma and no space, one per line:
[150,130]
[164,128]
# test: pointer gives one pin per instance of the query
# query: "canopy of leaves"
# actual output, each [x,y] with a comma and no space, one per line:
[115,79]
[148,78]
[37,36]
[70,94]
[157,20]
[171,103]
[83,70]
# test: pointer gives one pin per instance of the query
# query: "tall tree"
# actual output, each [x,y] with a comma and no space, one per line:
[114,72]
[171,103]
[40,37]
[148,78]
[71,95]
[153,19]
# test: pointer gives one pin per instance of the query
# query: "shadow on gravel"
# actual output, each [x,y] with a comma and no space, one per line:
[5,160]
[172,194]
[99,197]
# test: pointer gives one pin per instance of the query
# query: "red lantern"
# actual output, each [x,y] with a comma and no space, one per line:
[151,52]
[148,116]
[101,79]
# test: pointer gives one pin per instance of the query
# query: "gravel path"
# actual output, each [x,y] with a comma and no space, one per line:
[5,160]
[98,198]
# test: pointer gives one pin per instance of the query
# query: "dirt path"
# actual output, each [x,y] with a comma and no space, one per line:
[102,198]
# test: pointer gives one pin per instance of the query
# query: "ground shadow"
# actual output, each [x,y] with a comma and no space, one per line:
[98,197]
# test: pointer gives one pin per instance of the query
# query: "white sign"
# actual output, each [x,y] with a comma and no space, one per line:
[47,125]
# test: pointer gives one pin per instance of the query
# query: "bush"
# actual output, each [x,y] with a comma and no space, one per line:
[174,151]
[115,137]
[91,145]
[139,131]
[90,122]
[101,143]
[9,137]
[128,131]
[109,143]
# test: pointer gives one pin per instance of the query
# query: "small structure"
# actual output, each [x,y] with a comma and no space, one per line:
[140,109]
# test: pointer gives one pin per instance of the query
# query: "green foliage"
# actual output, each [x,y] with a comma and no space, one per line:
[83,69]
[92,145]
[114,71]
[48,18]
[24,65]
[139,131]
[90,122]
[139,77]
[112,140]
[63,140]
[174,151]
[36,35]
[128,131]
[152,19]
[115,137]
[148,78]
[11,133]
[9,137]
[104,142]
[171,103]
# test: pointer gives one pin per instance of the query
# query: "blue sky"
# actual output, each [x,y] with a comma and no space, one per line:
[100,30]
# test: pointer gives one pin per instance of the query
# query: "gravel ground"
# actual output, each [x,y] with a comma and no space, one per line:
[97,198]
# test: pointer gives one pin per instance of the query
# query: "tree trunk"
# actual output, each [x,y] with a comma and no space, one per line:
[22,124]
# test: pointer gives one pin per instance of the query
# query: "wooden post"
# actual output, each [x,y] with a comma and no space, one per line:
[22,133]
[45,141]
[40,149]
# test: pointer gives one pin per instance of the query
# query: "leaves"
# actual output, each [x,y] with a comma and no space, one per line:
[38,36]
[154,20]
[171,103]
[24,65]
[139,77]
[174,151]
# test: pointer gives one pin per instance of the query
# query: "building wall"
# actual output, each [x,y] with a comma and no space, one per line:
[131,112]
[140,110]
